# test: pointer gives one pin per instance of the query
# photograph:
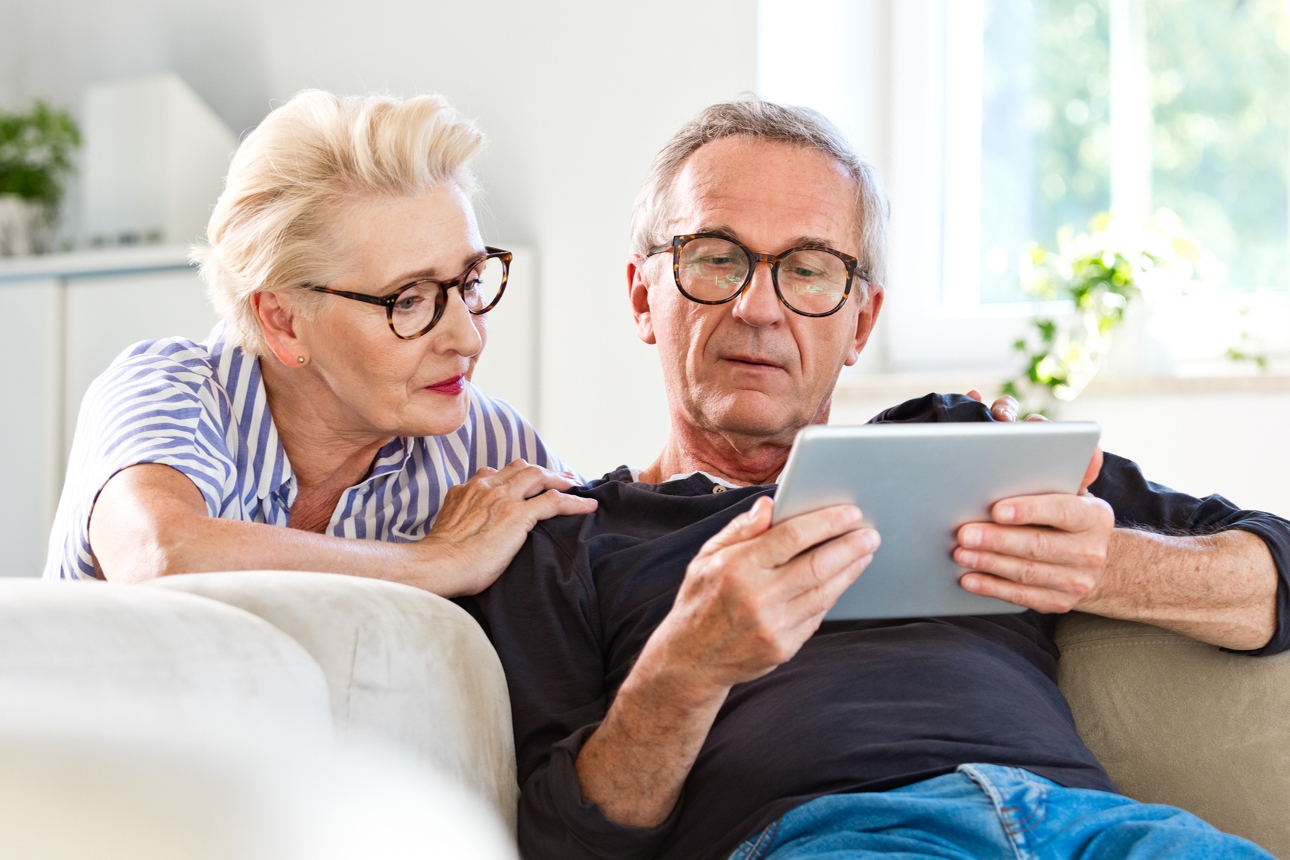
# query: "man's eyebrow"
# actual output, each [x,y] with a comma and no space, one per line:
[727,233]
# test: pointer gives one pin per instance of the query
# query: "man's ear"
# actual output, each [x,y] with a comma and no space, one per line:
[638,293]
[278,324]
[865,323]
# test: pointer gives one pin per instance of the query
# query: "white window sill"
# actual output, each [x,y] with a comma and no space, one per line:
[893,388]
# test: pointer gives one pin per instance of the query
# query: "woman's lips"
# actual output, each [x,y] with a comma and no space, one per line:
[451,386]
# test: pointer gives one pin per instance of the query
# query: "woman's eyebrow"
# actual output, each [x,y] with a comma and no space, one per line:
[431,273]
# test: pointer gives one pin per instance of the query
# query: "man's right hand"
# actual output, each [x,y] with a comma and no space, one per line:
[751,597]
[756,592]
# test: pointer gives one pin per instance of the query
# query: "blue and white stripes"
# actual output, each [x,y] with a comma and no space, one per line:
[201,409]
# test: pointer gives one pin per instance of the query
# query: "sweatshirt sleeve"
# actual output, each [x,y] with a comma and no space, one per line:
[1142,504]
[542,618]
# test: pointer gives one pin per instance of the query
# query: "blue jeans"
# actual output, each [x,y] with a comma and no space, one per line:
[989,811]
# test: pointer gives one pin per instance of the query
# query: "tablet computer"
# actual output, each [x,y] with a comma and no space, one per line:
[916,484]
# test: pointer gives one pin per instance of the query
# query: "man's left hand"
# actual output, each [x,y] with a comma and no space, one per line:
[1043,552]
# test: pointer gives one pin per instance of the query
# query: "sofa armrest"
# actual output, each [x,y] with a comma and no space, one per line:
[402,665]
[1180,722]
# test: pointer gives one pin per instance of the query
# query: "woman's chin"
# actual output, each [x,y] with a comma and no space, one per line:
[436,415]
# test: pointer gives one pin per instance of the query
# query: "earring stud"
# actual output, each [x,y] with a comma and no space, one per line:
[300,359]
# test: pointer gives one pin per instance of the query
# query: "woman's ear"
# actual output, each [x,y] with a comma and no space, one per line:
[278,325]
[638,294]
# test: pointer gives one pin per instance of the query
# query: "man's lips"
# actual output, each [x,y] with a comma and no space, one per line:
[752,362]
[451,386]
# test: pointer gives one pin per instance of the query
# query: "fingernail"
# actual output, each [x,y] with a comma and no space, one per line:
[1005,513]
[967,559]
[971,536]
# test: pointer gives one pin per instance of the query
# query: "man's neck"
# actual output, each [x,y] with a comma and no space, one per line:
[742,461]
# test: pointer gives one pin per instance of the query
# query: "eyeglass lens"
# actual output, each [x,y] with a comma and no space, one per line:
[712,269]
[419,305]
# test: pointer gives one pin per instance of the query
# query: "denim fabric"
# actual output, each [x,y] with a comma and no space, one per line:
[987,811]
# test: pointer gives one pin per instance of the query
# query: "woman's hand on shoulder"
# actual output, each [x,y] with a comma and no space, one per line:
[484,522]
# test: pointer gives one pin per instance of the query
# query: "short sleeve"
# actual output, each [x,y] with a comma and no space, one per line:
[147,407]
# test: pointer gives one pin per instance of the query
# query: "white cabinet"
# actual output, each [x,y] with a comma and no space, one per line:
[31,461]
[107,314]
[63,318]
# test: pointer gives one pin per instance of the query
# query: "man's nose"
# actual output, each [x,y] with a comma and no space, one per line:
[758,305]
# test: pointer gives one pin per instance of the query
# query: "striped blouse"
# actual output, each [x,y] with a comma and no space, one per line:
[201,408]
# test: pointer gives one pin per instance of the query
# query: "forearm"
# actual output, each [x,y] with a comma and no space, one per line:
[1218,588]
[634,765]
[200,544]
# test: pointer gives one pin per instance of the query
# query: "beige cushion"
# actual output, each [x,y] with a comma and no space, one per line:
[86,653]
[159,795]
[1179,722]
[402,665]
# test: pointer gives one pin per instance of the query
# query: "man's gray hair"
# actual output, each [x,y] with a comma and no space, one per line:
[756,118]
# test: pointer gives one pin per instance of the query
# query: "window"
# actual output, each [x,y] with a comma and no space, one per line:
[1080,106]
[997,122]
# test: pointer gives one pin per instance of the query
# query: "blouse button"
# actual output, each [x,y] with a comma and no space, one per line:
[717,488]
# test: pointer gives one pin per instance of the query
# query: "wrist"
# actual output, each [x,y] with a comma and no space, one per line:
[427,564]
[674,676]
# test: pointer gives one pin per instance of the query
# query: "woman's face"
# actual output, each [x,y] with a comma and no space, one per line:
[382,385]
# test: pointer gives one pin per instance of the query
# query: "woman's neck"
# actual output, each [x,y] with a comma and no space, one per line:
[324,457]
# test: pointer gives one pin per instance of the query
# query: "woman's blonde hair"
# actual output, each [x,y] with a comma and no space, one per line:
[293,174]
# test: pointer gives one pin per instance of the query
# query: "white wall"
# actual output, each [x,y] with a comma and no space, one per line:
[576,97]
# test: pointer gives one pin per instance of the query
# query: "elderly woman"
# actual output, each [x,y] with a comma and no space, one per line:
[328,423]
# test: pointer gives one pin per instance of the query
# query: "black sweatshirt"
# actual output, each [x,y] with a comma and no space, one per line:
[864,706]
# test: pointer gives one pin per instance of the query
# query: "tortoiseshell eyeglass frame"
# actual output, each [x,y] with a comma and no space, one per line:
[440,303]
[772,260]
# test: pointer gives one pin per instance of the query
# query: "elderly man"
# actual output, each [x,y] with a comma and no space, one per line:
[675,692]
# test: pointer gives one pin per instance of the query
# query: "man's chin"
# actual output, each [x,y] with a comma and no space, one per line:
[757,416]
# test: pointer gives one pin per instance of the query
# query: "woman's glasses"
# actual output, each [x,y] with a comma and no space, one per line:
[414,309]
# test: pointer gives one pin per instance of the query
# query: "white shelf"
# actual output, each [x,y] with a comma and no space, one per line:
[104,261]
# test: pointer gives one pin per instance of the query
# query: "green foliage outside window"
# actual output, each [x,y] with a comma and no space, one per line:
[1218,81]
[1046,151]
[1220,93]
[36,154]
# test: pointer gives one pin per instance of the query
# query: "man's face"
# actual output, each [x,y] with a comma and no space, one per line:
[751,369]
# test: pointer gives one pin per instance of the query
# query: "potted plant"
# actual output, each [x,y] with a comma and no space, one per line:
[35,159]
[1099,273]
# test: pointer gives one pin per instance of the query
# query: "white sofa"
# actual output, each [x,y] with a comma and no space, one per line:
[1174,721]
[331,718]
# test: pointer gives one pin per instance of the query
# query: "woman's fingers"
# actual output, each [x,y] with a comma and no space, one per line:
[524,480]
[553,503]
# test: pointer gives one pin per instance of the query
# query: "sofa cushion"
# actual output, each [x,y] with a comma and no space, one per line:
[164,795]
[1179,722]
[75,653]
[403,666]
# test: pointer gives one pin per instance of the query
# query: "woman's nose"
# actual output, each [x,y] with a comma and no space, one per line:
[456,330]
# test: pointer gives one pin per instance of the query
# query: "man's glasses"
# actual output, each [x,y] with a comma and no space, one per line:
[711,269]
[414,309]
